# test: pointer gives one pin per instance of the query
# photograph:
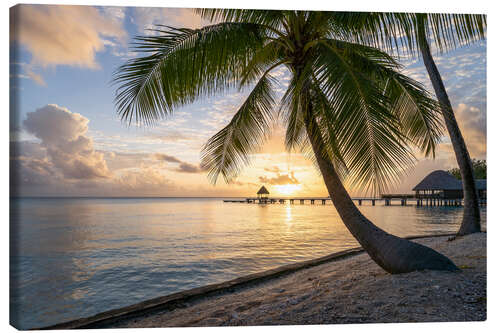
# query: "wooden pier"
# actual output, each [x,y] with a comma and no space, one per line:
[439,188]
[387,199]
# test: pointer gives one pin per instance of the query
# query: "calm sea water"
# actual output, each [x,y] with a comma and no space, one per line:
[72,258]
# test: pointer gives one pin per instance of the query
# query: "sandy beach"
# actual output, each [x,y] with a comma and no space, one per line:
[350,290]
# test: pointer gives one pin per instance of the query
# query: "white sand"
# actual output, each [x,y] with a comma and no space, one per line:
[351,290]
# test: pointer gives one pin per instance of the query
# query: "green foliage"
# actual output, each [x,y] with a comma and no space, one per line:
[181,65]
[368,113]
[400,31]
[230,148]
[479,167]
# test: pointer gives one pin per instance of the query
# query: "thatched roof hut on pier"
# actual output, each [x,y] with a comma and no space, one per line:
[263,193]
[441,184]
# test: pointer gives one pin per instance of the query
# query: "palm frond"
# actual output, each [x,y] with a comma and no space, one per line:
[328,129]
[270,18]
[398,32]
[228,150]
[367,130]
[265,59]
[181,65]
[290,111]
[418,113]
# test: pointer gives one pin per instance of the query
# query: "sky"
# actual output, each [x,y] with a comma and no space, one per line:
[67,139]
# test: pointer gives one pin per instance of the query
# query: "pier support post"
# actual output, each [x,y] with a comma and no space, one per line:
[301,201]
[373,202]
[360,202]
[323,202]
[312,201]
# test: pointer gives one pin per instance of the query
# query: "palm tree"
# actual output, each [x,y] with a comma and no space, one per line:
[448,31]
[346,102]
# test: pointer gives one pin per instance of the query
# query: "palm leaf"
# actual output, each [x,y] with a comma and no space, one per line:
[228,150]
[181,65]
[270,18]
[399,31]
[418,113]
[367,130]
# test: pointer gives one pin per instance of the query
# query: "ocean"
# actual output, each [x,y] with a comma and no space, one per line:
[75,257]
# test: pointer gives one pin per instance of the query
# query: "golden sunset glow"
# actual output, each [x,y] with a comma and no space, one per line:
[163,160]
[288,189]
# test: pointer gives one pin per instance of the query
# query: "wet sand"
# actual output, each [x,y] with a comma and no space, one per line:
[350,290]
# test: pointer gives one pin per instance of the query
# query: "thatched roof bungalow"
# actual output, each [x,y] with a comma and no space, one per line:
[441,184]
[263,193]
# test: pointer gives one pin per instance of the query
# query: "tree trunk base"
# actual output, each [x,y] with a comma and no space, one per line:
[405,256]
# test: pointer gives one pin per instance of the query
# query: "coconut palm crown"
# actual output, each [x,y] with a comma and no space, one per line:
[346,103]
[411,34]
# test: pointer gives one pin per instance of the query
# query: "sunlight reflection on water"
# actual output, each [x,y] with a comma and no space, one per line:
[76,257]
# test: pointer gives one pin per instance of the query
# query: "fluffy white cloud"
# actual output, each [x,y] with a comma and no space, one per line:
[63,135]
[147,17]
[64,35]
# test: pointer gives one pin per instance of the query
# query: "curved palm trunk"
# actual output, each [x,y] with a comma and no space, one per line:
[471,221]
[393,254]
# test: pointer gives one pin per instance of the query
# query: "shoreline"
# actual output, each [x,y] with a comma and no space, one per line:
[179,299]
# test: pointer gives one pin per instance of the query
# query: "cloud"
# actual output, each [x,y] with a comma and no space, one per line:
[189,168]
[472,123]
[147,17]
[63,161]
[21,70]
[182,167]
[239,183]
[142,179]
[167,158]
[64,35]
[29,166]
[280,179]
[173,136]
[24,148]
[464,74]
[34,76]
[63,135]
[36,171]
[273,169]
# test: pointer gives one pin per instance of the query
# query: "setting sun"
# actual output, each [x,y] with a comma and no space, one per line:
[288,189]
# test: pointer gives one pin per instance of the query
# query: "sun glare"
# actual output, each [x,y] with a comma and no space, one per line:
[288,189]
